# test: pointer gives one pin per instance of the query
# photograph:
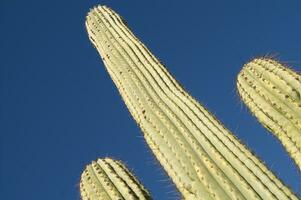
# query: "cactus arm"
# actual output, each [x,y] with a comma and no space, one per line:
[202,157]
[109,179]
[272,93]
[96,184]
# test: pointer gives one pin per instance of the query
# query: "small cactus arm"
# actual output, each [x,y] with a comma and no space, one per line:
[272,93]
[107,179]
[203,158]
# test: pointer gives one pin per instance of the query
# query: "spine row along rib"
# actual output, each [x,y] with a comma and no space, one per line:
[203,158]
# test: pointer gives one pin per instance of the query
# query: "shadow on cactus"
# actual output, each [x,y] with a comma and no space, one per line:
[203,158]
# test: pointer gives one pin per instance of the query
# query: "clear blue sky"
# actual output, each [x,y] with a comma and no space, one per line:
[60,110]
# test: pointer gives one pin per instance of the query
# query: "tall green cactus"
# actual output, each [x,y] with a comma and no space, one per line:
[110,179]
[203,158]
[272,93]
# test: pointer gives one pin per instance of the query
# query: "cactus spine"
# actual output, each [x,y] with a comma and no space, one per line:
[202,157]
[272,93]
[109,179]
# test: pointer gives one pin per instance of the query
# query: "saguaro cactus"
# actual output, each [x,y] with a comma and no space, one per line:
[108,179]
[203,158]
[272,93]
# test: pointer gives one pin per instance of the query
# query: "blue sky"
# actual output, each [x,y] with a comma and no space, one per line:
[60,110]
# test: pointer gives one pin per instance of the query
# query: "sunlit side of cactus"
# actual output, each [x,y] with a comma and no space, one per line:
[107,179]
[272,93]
[203,158]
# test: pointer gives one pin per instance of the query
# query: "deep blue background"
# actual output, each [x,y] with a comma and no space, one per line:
[60,110]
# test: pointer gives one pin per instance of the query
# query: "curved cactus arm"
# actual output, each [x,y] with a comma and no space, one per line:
[203,158]
[108,179]
[272,93]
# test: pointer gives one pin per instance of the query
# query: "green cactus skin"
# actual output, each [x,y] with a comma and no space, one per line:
[272,93]
[203,158]
[107,179]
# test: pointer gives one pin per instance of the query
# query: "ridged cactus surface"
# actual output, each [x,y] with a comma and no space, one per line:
[201,156]
[272,93]
[108,179]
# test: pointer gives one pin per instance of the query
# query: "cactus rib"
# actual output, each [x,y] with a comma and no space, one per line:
[272,93]
[204,159]
[109,179]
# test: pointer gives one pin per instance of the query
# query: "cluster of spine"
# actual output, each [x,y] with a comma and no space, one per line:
[272,93]
[201,156]
[108,179]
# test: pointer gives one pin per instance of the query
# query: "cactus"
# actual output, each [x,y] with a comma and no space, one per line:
[203,158]
[272,93]
[110,179]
